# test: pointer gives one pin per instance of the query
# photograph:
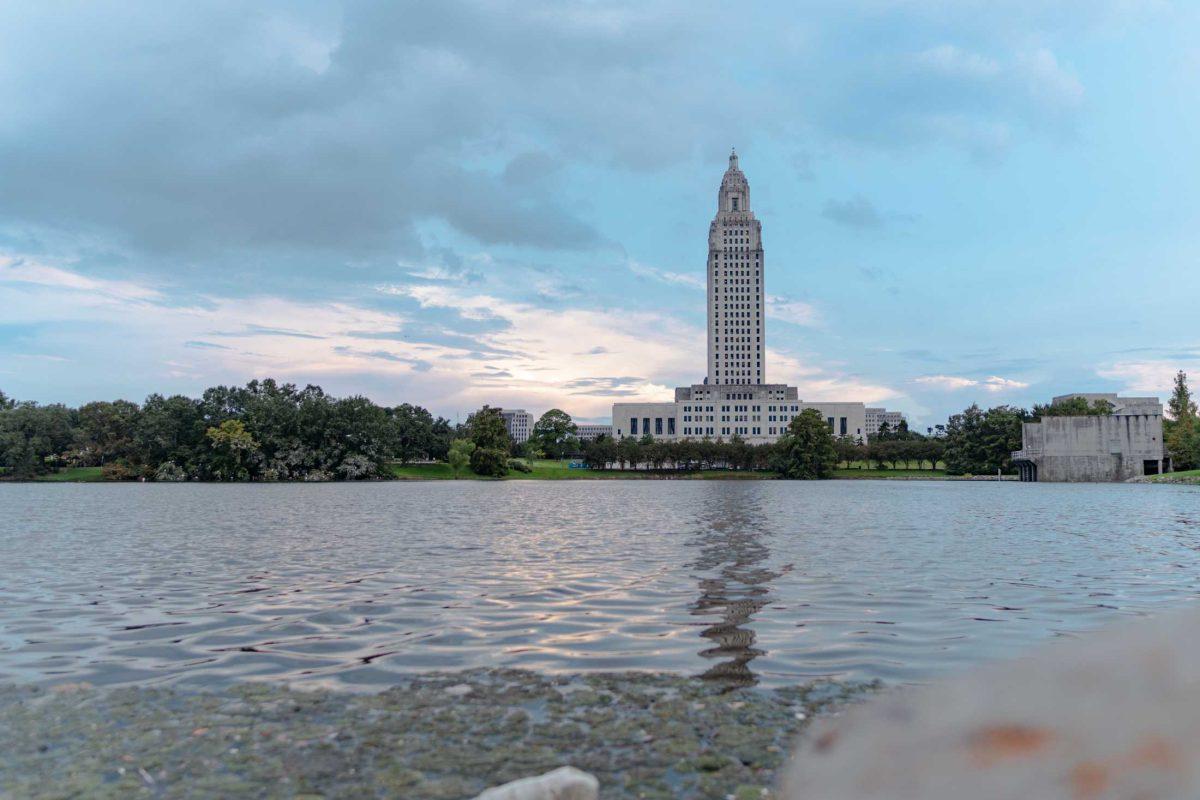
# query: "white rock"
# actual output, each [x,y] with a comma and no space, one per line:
[564,783]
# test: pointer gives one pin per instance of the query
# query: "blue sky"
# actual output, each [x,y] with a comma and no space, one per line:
[455,203]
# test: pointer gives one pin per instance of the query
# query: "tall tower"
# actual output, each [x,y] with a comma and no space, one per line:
[736,340]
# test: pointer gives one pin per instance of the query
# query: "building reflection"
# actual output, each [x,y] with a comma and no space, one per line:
[734,582]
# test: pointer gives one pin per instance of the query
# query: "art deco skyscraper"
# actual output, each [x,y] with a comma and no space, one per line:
[736,341]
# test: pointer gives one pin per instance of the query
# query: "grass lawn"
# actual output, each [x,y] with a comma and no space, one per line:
[1183,476]
[73,475]
[547,470]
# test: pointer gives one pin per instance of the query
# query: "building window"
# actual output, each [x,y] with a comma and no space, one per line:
[658,426]
[670,426]
[646,425]
[845,430]
[633,427]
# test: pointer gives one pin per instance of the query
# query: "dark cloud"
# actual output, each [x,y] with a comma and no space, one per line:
[603,383]
[382,355]
[205,345]
[857,212]
[260,330]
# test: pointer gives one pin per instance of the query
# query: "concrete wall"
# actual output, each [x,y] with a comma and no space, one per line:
[1081,449]
[625,413]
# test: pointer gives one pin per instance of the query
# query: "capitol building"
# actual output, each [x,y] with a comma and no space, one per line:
[734,398]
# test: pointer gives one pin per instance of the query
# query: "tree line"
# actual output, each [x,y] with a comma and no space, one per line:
[278,432]
[262,431]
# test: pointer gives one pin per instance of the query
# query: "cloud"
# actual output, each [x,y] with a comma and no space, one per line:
[857,212]
[797,312]
[1149,377]
[992,383]
[687,280]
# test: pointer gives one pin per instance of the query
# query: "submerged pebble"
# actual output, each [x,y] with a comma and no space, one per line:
[642,735]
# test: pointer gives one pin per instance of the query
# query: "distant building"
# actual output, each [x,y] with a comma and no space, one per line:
[734,399]
[519,423]
[586,432]
[1115,447]
[877,416]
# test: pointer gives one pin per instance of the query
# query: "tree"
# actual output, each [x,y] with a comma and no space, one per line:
[33,438]
[413,431]
[555,434]
[489,462]
[459,455]
[233,450]
[980,443]
[1073,407]
[105,431]
[487,430]
[1181,430]
[807,450]
[1181,405]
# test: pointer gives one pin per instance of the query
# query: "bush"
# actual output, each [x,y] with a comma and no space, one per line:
[169,472]
[115,471]
[519,465]
[490,462]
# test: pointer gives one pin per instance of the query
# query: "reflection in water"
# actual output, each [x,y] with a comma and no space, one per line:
[731,540]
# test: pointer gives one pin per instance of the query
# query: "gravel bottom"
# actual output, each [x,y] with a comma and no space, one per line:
[442,735]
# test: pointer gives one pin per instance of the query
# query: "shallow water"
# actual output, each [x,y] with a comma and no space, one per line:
[768,582]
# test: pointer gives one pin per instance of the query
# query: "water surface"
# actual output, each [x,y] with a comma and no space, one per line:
[772,582]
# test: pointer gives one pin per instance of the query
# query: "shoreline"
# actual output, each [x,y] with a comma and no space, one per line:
[431,735]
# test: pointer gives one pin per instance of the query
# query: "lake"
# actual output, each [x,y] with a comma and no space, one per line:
[753,582]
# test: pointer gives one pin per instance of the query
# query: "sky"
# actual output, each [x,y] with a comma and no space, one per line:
[459,203]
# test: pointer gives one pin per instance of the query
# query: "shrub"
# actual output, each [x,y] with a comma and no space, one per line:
[115,471]
[169,472]
[489,461]
[519,465]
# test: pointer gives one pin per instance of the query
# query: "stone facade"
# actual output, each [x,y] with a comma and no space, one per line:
[1125,444]
[519,423]
[734,399]
[877,416]
[736,344]
[586,432]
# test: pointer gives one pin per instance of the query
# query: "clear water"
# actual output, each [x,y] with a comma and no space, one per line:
[347,585]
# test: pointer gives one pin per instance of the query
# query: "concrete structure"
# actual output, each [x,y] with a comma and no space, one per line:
[586,432]
[1125,444]
[877,416]
[519,423]
[734,399]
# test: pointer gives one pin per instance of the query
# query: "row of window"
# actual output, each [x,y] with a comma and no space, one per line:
[658,426]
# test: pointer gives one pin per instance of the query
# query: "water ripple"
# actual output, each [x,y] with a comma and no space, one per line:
[743,582]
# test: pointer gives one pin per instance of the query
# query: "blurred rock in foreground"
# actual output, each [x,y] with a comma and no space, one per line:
[1114,714]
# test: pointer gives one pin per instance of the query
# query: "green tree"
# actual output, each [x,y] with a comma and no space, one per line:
[33,438]
[807,451]
[489,462]
[487,430]
[980,443]
[1181,405]
[1073,407]
[105,431]
[234,450]
[555,434]
[459,455]
[1181,430]
[414,432]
